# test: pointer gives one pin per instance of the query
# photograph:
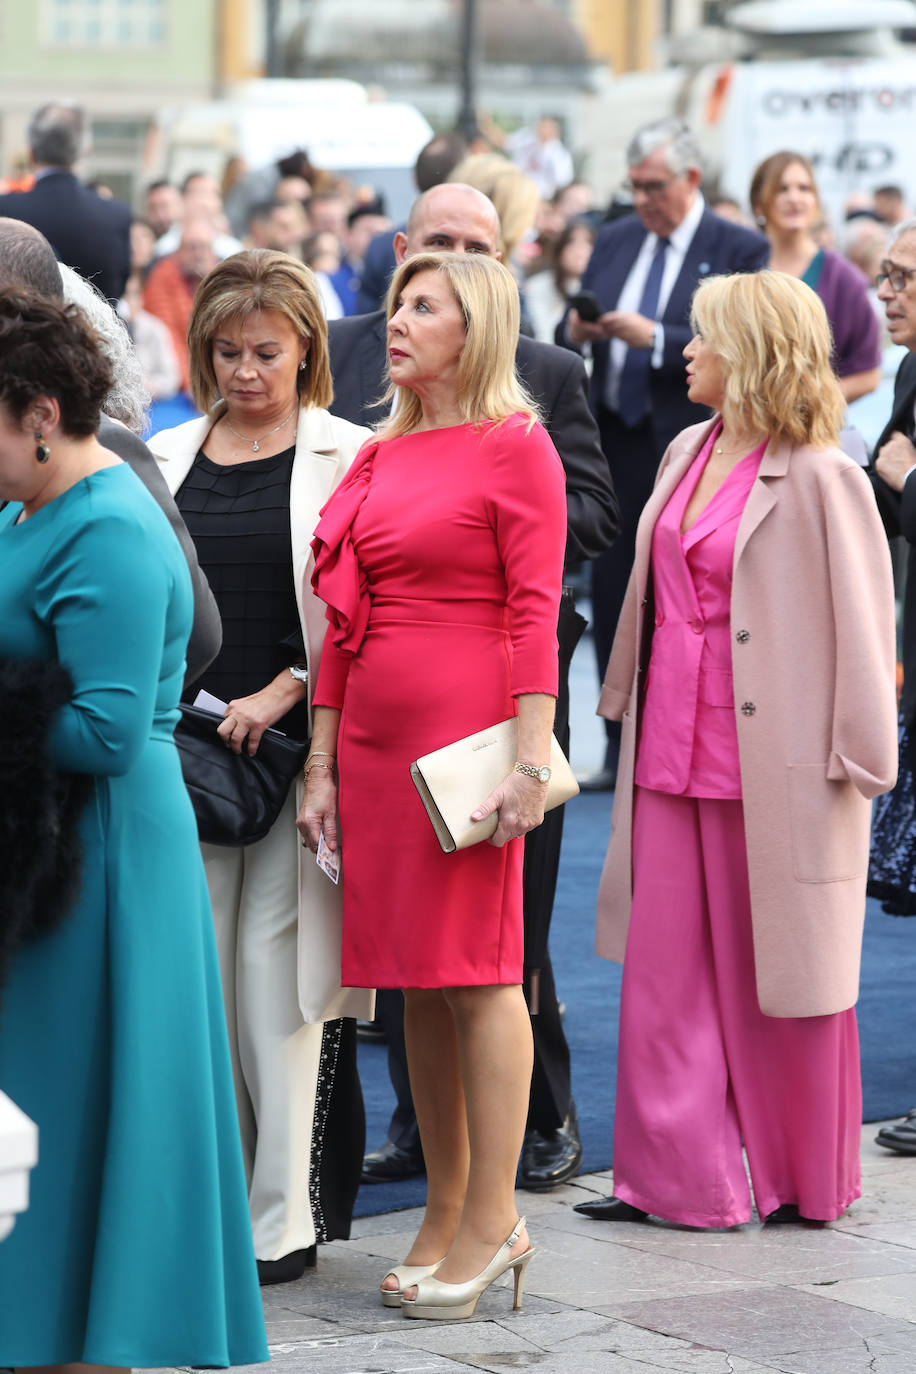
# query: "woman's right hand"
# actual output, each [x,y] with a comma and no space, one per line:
[319,809]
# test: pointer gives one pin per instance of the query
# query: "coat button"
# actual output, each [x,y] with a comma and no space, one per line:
[697,626]
[743,636]
[659,618]
[748,708]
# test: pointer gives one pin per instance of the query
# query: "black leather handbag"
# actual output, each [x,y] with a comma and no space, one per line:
[236,797]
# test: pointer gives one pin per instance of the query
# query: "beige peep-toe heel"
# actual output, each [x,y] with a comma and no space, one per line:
[406,1275]
[449,1302]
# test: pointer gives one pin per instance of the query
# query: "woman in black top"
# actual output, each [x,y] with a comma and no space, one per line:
[249,479]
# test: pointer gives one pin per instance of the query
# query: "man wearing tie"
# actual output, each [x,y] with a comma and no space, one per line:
[894,479]
[643,270]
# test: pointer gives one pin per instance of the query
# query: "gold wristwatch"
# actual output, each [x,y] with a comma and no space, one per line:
[531,770]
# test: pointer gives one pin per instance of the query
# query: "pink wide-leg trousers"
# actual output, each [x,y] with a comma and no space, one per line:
[700,1067]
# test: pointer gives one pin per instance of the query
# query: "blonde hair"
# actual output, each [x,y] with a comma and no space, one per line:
[772,334]
[487,296]
[515,196]
[259,279]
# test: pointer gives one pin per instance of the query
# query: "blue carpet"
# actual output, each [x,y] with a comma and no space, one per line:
[590,987]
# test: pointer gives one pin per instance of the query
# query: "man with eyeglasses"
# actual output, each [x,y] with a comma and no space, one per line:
[895,489]
[643,271]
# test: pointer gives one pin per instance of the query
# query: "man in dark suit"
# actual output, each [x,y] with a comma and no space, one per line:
[27,261]
[894,479]
[87,231]
[643,270]
[457,218]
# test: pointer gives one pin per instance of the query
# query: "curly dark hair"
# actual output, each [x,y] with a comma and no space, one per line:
[49,349]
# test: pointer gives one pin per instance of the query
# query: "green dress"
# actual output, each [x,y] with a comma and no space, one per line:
[136,1247]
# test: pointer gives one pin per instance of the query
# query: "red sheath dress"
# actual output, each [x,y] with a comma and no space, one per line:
[440,558]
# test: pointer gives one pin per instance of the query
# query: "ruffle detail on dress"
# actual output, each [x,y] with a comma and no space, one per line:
[337,576]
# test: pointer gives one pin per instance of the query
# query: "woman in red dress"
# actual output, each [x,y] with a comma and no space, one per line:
[440,559]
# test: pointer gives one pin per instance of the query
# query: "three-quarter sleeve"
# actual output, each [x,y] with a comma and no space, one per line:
[332,675]
[527,500]
[104,591]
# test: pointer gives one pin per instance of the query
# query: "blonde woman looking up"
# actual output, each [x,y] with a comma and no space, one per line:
[440,559]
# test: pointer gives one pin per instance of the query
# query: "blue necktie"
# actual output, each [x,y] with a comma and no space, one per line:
[634,376]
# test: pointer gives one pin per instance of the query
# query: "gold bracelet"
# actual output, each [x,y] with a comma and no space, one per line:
[309,766]
[320,754]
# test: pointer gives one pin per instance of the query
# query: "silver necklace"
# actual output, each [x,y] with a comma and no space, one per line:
[256,443]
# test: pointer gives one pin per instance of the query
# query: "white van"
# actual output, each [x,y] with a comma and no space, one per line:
[337,122]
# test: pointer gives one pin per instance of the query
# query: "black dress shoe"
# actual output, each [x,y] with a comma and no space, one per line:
[288,1267]
[548,1160]
[788,1213]
[901,1136]
[605,780]
[610,1209]
[389,1163]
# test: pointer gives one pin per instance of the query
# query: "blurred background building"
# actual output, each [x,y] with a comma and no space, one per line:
[146,70]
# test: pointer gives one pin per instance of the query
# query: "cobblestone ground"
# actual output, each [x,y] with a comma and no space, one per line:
[605,1298]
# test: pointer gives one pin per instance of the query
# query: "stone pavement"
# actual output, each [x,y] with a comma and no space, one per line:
[605,1298]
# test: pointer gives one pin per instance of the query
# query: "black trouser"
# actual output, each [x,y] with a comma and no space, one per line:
[551,1091]
[633,462]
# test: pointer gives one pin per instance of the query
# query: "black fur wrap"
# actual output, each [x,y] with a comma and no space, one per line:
[40,859]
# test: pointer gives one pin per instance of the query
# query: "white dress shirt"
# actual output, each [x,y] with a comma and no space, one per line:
[679,241]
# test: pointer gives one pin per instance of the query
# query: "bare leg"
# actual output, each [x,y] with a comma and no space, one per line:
[435,1081]
[493,1031]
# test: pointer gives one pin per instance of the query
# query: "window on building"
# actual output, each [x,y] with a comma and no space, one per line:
[103,23]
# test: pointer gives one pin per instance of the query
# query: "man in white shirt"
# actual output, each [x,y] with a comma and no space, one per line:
[643,271]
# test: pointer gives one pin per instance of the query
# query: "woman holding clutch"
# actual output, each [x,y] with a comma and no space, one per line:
[753,669]
[440,559]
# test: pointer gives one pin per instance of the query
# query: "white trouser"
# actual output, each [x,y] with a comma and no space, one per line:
[275,1056]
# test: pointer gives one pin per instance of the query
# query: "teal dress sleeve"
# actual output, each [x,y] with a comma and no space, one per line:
[104,591]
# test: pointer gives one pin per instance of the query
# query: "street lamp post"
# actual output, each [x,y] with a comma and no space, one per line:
[273,63]
[467,116]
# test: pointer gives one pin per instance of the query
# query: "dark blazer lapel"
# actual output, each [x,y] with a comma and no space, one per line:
[699,262]
[609,284]
[372,370]
[904,400]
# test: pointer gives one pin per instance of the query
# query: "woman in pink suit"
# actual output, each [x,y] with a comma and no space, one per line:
[753,671]
[440,559]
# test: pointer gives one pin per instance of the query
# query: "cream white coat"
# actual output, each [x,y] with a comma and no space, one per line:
[325,448]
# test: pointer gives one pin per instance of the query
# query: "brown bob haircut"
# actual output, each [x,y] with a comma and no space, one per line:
[768,175]
[259,279]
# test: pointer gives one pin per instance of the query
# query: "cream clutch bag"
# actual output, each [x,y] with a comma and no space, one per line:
[454,780]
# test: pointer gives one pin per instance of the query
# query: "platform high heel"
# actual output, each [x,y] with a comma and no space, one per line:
[407,1275]
[449,1302]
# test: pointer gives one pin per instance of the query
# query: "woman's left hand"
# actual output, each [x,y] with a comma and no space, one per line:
[246,718]
[519,802]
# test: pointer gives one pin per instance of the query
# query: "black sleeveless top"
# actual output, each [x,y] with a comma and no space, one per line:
[238,517]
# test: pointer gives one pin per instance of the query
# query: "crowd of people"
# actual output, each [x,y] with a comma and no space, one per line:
[377,454]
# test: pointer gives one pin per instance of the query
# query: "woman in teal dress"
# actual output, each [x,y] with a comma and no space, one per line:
[136,1246]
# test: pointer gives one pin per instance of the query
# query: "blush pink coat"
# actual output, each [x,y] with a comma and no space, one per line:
[813,661]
